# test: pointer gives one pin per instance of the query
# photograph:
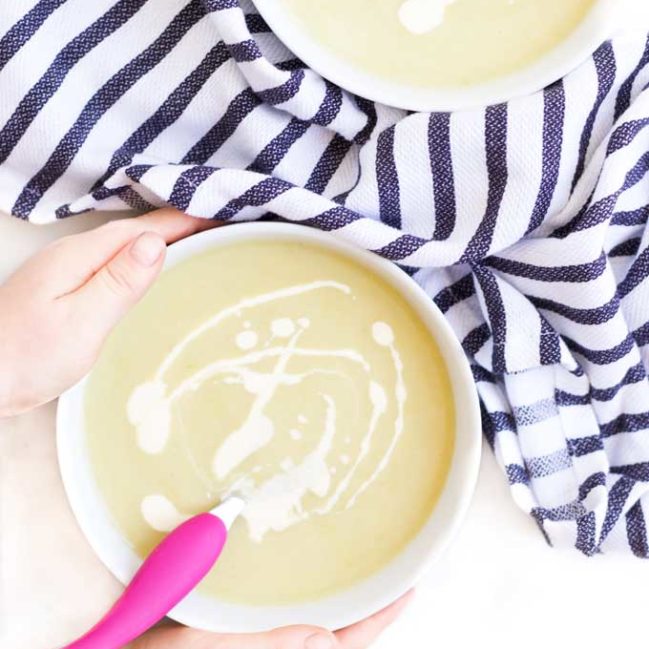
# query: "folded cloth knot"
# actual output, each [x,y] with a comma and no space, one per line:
[525,222]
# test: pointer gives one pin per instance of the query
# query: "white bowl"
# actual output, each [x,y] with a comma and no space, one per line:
[592,32]
[347,606]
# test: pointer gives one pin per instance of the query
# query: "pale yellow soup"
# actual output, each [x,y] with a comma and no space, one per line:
[461,42]
[292,376]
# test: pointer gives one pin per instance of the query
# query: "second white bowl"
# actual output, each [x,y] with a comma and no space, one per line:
[592,32]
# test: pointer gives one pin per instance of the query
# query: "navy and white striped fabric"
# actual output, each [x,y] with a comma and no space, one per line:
[525,222]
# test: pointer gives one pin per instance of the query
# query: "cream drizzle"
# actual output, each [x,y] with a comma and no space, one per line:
[257,430]
[423,16]
[379,403]
[384,336]
[277,502]
[160,513]
[236,310]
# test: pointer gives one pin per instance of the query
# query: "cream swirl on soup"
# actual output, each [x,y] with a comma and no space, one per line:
[276,502]
[422,16]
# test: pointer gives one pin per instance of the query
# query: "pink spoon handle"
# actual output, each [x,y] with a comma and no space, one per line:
[168,574]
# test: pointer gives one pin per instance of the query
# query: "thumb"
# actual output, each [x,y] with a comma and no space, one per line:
[118,285]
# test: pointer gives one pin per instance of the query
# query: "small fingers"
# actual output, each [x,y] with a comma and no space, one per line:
[358,636]
[301,637]
[292,637]
[364,633]
[67,264]
[173,225]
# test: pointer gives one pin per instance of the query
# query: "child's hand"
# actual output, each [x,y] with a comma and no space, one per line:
[359,636]
[57,309]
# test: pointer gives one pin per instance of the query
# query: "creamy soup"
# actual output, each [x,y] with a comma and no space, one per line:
[289,375]
[442,43]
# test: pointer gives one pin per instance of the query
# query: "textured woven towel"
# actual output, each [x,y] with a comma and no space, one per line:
[525,222]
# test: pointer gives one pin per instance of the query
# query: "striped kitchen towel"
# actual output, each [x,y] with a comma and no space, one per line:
[525,222]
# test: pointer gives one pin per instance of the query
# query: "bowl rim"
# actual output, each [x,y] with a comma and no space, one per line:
[362,599]
[596,28]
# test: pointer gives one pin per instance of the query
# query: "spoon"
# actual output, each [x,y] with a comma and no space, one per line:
[167,575]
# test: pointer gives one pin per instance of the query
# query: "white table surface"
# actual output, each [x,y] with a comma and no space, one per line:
[499,585]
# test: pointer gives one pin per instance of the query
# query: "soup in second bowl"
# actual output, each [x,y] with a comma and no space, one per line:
[440,43]
[291,375]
